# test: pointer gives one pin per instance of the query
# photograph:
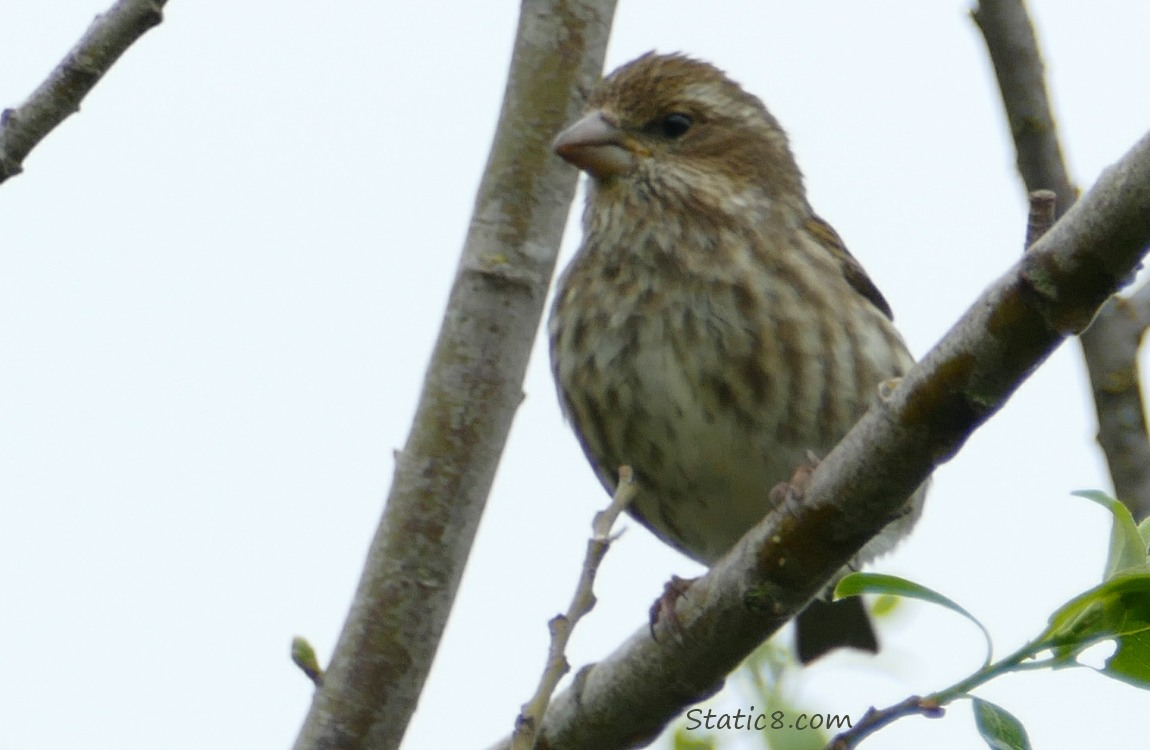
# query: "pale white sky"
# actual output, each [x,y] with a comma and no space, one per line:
[218,288]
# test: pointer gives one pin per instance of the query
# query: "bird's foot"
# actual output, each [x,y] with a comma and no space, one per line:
[663,610]
[795,488]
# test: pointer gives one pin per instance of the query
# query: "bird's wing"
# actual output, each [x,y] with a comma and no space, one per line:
[852,269]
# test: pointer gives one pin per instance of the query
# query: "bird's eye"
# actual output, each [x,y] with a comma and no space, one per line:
[675,124]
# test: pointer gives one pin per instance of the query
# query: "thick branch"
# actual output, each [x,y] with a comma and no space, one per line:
[472,388]
[60,95]
[1110,345]
[1051,293]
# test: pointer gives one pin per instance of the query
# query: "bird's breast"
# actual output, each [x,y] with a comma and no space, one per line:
[712,377]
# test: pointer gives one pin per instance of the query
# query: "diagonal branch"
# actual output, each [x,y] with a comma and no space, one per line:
[1051,293]
[60,95]
[1110,345]
[473,385]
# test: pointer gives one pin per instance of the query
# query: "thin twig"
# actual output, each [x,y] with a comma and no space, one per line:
[1013,49]
[934,705]
[60,95]
[561,626]
[875,719]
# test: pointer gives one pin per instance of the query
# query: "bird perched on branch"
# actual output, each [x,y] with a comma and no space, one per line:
[712,331]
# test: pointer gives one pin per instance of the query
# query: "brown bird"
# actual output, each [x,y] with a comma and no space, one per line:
[712,331]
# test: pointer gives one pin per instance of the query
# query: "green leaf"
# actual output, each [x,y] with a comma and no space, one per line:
[686,740]
[1118,609]
[878,583]
[884,605]
[1120,606]
[1127,541]
[1131,662]
[999,727]
[1144,532]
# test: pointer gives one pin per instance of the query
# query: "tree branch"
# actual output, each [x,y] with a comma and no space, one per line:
[1041,216]
[1013,50]
[1052,292]
[108,37]
[472,388]
[583,601]
[1110,345]
[875,719]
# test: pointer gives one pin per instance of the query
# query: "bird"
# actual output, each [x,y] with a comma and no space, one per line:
[711,331]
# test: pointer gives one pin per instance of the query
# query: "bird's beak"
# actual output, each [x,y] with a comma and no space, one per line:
[598,146]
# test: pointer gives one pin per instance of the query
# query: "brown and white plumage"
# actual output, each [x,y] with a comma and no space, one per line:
[711,331]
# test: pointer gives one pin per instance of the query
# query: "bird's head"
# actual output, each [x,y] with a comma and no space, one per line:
[669,123]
